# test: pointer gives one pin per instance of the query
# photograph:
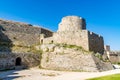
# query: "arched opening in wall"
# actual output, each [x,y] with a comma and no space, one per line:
[18,61]
[52,41]
[41,41]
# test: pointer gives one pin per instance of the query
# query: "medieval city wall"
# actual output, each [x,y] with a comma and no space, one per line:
[16,31]
[86,39]
[23,39]
[19,27]
[72,31]
[8,60]
[79,38]
[96,42]
[114,57]
[20,35]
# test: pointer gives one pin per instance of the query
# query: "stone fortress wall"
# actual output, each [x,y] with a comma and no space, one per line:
[23,28]
[113,56]
[96,42]
[72,30]
[20,34]
[78,38]
[16,40]
[63,50]
[11,60]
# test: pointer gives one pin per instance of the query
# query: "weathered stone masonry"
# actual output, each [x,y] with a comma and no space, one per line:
[21,34]
[11,60]
[72,31]
[96,42]
[63,50]
[15,41]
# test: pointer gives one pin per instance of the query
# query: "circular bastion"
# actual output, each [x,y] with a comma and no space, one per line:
[72,23]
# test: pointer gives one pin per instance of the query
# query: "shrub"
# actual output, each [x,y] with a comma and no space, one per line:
[99,56]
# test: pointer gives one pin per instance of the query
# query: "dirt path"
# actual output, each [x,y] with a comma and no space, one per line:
[40,74]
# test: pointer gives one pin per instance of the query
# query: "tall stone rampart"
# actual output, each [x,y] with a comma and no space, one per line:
[71,31]
[20,34]
[19,27]
[23,39]
[78,38]
[84,38]
[96,42]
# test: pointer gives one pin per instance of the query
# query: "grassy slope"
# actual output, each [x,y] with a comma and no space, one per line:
[109,77]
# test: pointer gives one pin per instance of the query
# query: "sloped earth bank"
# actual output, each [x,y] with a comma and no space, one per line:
[41,74]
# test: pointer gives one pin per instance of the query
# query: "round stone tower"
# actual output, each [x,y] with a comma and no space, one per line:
[72,23]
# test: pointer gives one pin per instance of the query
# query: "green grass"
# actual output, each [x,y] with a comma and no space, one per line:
[72,47]
[109,77]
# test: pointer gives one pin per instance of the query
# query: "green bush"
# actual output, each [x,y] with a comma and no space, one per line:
[99,56]
[72,47]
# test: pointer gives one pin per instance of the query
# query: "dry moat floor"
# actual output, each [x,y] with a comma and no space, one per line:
[41,74]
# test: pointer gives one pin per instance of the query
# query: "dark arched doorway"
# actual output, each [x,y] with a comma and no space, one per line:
[18,61]
[41,41]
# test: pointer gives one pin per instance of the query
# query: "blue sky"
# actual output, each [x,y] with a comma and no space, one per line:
[102,16]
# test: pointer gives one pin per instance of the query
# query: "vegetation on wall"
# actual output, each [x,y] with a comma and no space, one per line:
[73,47]
[98,55]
